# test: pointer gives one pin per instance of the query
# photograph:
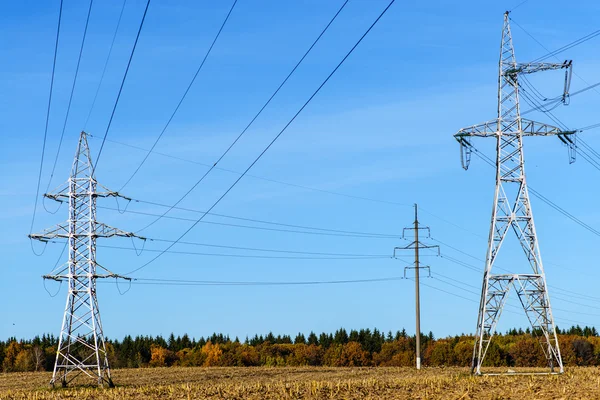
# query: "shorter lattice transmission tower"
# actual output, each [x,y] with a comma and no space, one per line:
[415,246]
[81,346]
[512,209]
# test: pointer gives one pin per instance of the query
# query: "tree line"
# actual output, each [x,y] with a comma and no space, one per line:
[365,347]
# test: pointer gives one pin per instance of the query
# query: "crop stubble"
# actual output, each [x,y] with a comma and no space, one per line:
[311,383]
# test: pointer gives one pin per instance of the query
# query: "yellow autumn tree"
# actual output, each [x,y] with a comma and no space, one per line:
[10,356]
[161,357]
[24,361]
[463,353]
[353,355]
[213,354]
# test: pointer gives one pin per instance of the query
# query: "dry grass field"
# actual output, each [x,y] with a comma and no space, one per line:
[312,383]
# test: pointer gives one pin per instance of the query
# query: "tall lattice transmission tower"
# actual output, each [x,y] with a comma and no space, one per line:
[81,346]
[512,209]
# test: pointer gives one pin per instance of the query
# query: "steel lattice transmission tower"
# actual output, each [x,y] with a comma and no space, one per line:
[81,346]
[512,209]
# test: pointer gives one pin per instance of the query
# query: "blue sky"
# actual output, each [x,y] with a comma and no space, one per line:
[381,128]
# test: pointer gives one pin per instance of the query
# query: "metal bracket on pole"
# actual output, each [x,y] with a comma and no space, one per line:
[420,267]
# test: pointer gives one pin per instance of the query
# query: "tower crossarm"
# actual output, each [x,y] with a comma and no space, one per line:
[528,128]
[63,195]
[61,231]
[511,277]
[65,276]
[105,231]
[509,128]
[530,68]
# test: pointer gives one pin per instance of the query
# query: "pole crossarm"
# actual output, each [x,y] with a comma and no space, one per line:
[414,245]
[420,228]
[419,267]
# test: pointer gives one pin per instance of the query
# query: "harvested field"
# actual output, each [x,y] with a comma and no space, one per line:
[312,383]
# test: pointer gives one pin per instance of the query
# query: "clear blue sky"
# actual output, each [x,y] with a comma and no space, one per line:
[381,128]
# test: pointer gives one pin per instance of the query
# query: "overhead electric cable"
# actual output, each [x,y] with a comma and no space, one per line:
[535,104]
[578,294]
[543,198]
[564,212]
[585,128]
[437,275]
[447,292]
[261,177]
[267,250]
[535,91]
[307,232]
[359,233]
[568,46]
[511,305]
[369,199]
[274,139]
[589,148]
[461,263]
[112,114]
[456,249]
[252,120]
[184,282]
[559,99]
[62,133]
[519,5]
[185,93]
[475,269]
[586,156]
[575,302]
[437,278]
[37,193]
[585,89]
[112,44]
[583,152]
[560,50]
[564,48]
[194,253]
[510,311]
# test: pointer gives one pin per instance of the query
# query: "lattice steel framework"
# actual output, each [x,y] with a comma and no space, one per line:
[512,209]
[81,347]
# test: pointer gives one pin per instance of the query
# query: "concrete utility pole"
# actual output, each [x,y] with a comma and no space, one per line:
[512,208]
[417,293]
[417,245]
[81,345]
